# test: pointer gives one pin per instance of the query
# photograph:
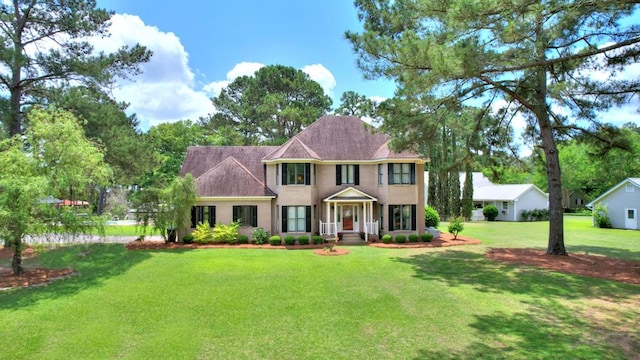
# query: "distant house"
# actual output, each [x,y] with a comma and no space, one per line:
[479,179]
[511,199]
[574,200]
[622,202]
[336,176]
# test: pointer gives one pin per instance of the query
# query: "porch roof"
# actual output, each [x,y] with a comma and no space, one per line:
[350,194]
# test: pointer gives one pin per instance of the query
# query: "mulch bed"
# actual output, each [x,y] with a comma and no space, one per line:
[442,241]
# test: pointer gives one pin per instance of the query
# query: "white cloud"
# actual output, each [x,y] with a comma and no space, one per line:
[214,88]
[322,76]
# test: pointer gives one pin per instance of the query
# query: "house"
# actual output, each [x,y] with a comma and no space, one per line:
[336,176]
[574,200]
[622,202]
[478,179]
[511,199]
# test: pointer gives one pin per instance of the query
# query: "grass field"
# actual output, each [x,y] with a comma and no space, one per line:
[371,304]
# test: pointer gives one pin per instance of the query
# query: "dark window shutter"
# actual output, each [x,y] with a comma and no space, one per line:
[390,173]
[338,174]
[284,174]
[307,174]
[212,216]
[413,174]
[308,218]
[414,221]
[236,213]
[284,219]
[194,222]
[356,174]
[391,218]
[254,216]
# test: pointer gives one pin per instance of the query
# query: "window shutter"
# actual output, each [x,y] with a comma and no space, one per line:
[338,174]
[391,218]
[254,216]
[413,174]
[193,217]
[356,174]
[212,216]
[284,219]
[307,174]
[414,221]
[390,173]
[308,218]
[284,177]
[236,213]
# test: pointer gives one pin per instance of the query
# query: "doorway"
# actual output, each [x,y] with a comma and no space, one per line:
[631,218]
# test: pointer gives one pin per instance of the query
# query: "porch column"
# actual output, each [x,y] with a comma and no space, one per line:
[365,220]
[335,218]
[328,218]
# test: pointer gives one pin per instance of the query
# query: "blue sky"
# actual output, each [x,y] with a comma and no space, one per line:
[200,46]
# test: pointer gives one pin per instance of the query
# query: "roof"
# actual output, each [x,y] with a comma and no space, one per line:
[633,181]
[339,138]
[509,192]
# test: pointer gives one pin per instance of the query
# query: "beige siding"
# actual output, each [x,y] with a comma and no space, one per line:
[224,212]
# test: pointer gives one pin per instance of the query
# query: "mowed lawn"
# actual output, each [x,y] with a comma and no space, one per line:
[291,304]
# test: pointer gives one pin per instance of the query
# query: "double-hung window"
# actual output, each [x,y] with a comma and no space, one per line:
[202,214]
[296,219]
[246,215]
[402,174]
[402,217]
[348,174]
[296,174]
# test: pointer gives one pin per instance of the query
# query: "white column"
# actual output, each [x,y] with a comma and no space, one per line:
[364,218]
[328,218]
[335,219]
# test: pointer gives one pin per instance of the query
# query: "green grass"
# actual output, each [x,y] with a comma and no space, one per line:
[371,304]
[127,230]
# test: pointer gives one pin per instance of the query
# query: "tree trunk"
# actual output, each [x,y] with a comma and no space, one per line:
[16,263]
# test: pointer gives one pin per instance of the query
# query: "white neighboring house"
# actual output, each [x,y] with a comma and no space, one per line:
[511,199]
[479,179]
[622,202]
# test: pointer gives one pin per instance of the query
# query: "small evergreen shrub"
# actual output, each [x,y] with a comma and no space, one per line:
[431,217]
[275,240]
[601,216]
[289,240]
[303,240]
[202,234]
[243,239]
[456,226]
[187,239]
[426,237]
[260,236]
[413,238]
[525,215]
[400,239]
[490,212]
[387,239]
[317,239]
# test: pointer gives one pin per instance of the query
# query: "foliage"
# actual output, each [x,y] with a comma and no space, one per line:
[431,217]
[414,237]
[275,240]
[259,236]
[202,233]
[490,212]
[243,239]
[289,240]
[534,215]
[317,239]
[226,233]
[303,240]
[387,239]
[188,239]
[601,216]
[467,196]
[400,238]
[426,237]
[354,104]
[456,226]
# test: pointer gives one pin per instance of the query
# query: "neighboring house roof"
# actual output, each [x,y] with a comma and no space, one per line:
[509,192]
[338,138]
[632,181]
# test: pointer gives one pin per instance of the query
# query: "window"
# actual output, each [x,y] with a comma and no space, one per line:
[246,215]
[631,214]
[579,202]
[401,217]
[348,174]
[296,219]
[296,174]
[402,174]
[202,214]
[505,205]
[381,213]
[380,174]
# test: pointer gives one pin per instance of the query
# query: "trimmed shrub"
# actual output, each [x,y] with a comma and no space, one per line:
[260,236]
[400,239]
[490,212]
[317,239]
[187,239]
[289,240]
[275,240]
[456,226]
[431,217]
[243,239]
[414,238]
[426,237]
[303,240]
[387,239]
[202,234]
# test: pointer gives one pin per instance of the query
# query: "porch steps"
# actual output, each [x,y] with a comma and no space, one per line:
[351,239]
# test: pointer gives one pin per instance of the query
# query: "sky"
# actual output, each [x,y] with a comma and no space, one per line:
[200,46]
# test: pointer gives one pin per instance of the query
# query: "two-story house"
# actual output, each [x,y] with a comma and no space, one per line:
[337,175]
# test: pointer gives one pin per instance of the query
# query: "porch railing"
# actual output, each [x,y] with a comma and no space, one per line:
[327,228]
[371,227]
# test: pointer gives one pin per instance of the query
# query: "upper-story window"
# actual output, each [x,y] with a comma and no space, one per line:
[347,174]
[380,174]
[296,174]
[402,174]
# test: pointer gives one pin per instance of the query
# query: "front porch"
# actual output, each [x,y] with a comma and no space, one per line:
[349,211]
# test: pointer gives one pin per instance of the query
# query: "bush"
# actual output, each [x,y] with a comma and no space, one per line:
[243,239]
[601,216]
[426,237]
[260,236]
[226,234]
[289,240]
[303,240]
[400,239]
[490,212]
[317,239]
[275,240]
[431,217]
[202,234]
[525,215]
[187,239]
[456,226]
[414,238]
[387,239]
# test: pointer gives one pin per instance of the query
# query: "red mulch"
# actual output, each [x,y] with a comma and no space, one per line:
[30,276]
[335,252]
[442,241]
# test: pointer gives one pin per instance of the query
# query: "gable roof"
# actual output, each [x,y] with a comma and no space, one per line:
[339,138]
[350,194]
[632,181]
[508,192]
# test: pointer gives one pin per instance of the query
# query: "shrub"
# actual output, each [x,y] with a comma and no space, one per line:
[431,217]
[455,227]
[187,239]
[414,238]
[275,240]
[289,240]
[525,215]
[490,212]
[601,216]
[259,236]
[303,240]
[202,234]
[243,239]
[387,239]
[426,237]
[317,239]
[400,239]
[228,234]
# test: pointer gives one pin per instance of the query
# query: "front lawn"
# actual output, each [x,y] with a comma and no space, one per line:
[373,303]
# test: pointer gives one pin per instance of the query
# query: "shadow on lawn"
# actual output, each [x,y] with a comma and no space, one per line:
[93,263]
[605,251]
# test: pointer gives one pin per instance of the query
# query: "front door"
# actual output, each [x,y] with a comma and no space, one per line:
[631,218]
[347,217]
